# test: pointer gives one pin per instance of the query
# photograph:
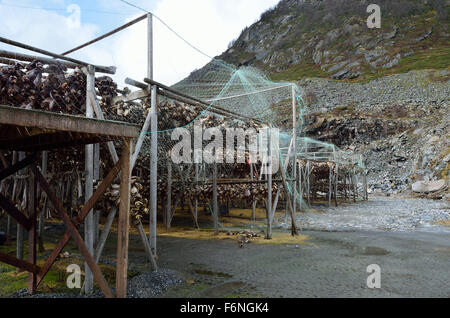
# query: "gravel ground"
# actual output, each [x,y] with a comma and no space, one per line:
[147,285]
[379,214]
[153,284]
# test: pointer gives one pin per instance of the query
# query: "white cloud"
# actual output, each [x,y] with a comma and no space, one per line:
[208,24]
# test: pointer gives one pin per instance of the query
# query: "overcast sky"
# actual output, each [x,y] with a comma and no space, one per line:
[59,25]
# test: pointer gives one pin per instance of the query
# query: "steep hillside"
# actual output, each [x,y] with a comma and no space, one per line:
[330,38]
[384,93]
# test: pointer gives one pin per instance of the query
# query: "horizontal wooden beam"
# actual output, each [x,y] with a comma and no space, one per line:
[64,59]
[50,141]
[61,122]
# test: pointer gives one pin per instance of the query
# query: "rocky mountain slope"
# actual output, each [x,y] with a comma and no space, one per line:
[330,38]
[384,92]
[400,123]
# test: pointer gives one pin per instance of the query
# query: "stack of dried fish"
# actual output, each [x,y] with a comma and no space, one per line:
[50,88]
[139,198]
[107,89]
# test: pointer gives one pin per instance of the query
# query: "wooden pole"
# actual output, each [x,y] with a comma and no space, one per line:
[169,194]
[32,278]
[308,182]
[196,197]
[20,229]
[89,184]
[294,164]
[124,220]
[291,209]
[144,240]
[269,185]
[345,186]
[154,139]
[336,184]
[96,164]
[300,184]
[330,184]
[103,238]
[366,190]
[42,214]
[252,177]
[215,201]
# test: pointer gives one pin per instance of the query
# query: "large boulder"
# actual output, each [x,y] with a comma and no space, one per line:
[429,186]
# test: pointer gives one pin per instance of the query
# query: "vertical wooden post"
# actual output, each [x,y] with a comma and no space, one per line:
[41,215]
[89,184]
[20,229]
[124,220]
[96,164]
[32,279]
[330,184]
[154,171]
[354,186]
[300,184]
[336,184]
[9,225]
[252,177]
[215,201]
[154,139]
[366,190]
[345,186]
[169,194]
[294,164]
[196,197]
[308,182]
[269,185]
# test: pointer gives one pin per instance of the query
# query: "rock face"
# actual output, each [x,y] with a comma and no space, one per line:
[399,123]
[333,36]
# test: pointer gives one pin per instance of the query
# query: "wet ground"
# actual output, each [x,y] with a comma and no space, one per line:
[399,235]
[333,265]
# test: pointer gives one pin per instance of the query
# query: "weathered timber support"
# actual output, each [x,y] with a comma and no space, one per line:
[124,220]
[32,232]
[148,250]
[89,183]
[215,201]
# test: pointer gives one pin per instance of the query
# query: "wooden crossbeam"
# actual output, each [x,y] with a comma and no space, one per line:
[5,173]
[14,212]
[10,260]
[98,276]
[78,220]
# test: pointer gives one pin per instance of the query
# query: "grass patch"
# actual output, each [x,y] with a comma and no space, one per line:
[299,71]
[444,223]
